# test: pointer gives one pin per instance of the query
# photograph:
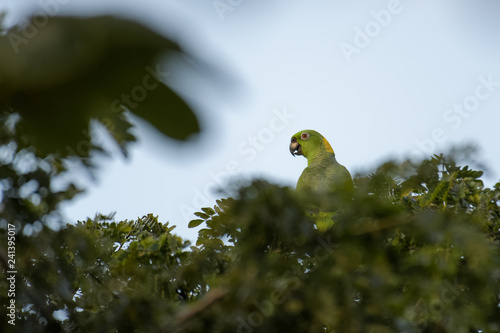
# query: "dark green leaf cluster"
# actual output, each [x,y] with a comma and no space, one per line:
[105,276]
[414,248]
[65,83]
[408,252]
[30,185]
[60,73]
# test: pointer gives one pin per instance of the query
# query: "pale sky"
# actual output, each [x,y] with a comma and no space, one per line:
[379,79]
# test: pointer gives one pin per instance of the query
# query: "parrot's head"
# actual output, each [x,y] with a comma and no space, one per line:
[308,143]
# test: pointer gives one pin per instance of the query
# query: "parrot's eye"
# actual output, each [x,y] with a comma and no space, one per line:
[304,136]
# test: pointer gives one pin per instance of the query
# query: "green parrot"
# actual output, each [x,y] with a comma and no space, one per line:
[323,172]
[322,176]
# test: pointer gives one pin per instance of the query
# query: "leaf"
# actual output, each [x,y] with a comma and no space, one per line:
[77,69]
[208,211]
[202,215]
[195,223]
[204,232]
[226,203]
[169,113]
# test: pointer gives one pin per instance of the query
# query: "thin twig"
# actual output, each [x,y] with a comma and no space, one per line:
[192,310]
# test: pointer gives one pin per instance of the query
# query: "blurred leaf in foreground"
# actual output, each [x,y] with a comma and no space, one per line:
[58,73]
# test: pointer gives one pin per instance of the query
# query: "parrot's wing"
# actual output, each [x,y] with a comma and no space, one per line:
[338,176]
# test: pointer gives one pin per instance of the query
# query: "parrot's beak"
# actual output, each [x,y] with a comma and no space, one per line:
[295,147]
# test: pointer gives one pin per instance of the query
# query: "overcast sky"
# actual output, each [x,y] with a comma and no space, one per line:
[379,79]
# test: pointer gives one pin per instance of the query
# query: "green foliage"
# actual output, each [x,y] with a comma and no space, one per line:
[61,75]
[62,80]
[415,249]
[27,181]
[97,270]
[408,253]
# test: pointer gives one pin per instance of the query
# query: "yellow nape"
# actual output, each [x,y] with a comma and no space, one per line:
[327,146]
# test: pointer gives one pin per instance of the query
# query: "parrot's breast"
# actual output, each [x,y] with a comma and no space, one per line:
[323,175]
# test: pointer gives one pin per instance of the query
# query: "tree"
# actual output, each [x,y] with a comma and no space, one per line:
[415,247]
